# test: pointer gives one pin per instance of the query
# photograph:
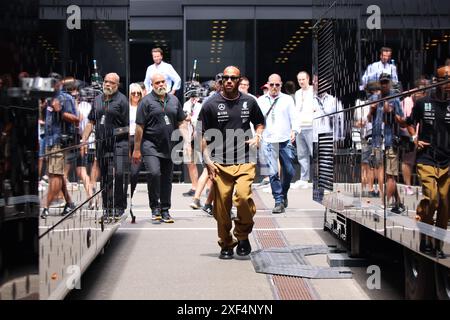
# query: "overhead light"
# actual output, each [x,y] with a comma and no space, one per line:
[281,51]
[214,31]
[212,51]
[297,41]
[220,40]
[434,40]
[224,21]
[306,22]
[222,32]
[302,27]
[285,58]
[221,36]
[215,21]
[214,36]
[223,27]
[215,27]
[294,37]
[213,40]
[290,41]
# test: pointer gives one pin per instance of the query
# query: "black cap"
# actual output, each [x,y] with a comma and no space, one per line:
[384,77]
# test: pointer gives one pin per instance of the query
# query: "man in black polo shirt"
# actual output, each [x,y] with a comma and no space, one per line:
[110,116]
[158,115]
[432,113]
[229,152]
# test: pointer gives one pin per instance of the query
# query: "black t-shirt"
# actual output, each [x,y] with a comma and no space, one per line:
[109,115]
[159,120]
[433,117]
[225,125]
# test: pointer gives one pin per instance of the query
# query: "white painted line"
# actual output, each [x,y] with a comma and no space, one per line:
[261,210]
[209,229]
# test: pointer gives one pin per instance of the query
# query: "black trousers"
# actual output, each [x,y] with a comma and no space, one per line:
[113,165]
[159,181]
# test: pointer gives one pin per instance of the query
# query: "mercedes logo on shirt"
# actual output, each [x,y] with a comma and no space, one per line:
[221,107]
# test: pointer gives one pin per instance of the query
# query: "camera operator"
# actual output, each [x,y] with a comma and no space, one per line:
[60,115]
[110,116]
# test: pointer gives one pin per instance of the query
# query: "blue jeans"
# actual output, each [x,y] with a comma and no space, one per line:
[284,152]
[304,152]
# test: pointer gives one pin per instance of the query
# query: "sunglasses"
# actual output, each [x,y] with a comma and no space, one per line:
[232,78]
[275,84]
[135,93]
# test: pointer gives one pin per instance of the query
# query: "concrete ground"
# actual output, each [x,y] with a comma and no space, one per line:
[179,261]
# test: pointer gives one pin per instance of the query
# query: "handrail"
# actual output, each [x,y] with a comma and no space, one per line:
[405,93]
[77,146]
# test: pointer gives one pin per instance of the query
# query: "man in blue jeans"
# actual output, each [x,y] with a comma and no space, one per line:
[281,128]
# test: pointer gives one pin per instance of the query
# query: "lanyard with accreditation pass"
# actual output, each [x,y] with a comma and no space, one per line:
[166,118]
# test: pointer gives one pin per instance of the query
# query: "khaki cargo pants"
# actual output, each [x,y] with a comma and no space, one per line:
[237,177]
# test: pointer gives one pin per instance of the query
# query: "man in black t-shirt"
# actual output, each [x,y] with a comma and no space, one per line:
[432,113]
[229,153]
[110,116]
[158,115]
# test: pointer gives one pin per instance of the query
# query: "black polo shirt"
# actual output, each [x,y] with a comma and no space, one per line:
[433,117]
[109,115]
[225,124]
[159,120]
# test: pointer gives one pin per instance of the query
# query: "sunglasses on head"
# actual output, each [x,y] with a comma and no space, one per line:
[275,84]
[232,78]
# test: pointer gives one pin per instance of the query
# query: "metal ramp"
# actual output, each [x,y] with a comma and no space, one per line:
[291,261]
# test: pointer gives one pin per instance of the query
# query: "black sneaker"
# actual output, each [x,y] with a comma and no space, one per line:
[398,209]
[195,204]
[425,247]
[156,215]
[118,213]
[44,213]
[243,248]
[226,254]
[279,208]
[190,193]
[165,217]
[68,208]
[208,208]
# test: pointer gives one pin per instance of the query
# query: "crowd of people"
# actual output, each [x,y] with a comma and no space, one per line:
[270,131]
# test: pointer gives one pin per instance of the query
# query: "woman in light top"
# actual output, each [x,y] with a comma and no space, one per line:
[136,96]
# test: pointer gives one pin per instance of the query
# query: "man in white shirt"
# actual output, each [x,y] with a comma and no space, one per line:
[375,69]
[304,106]
[281,128]
[173,80]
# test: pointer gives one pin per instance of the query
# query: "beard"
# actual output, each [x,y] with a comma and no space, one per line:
[161,91]
[109,91]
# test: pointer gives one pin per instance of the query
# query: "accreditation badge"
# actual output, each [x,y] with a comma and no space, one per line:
[166,119]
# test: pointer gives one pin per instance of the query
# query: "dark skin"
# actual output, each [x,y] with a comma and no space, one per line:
[230,90]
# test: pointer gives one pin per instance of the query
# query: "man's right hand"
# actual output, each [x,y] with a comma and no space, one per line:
[136,158]
[212,170]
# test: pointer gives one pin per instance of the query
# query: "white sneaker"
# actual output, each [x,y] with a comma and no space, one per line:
[300,184]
